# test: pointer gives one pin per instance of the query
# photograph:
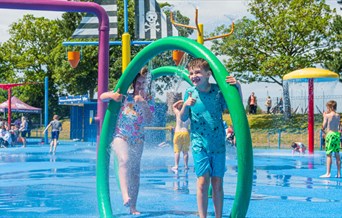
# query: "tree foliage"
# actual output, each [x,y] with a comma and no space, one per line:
[35,51]
[28,56]
[332,56]
[283,36]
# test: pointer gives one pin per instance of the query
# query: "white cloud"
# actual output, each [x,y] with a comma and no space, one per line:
[8,17]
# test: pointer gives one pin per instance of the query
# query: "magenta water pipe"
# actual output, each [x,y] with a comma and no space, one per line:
[68,6]
[311,118]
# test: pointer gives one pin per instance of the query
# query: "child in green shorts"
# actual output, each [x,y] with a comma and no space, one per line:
[331,121]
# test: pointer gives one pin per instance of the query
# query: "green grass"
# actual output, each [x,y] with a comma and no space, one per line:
[264,129]
[63,135]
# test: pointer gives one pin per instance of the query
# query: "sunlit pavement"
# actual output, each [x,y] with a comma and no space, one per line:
[34,183]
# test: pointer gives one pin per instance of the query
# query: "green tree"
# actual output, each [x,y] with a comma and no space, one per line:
[35,50]
[332,55]
[28,54]
[283,36]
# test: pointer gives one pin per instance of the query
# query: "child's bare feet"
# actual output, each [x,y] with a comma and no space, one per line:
[174,169]
[127,202]
[134,211]
[325,176]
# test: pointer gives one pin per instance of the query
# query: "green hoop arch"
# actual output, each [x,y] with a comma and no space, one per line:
[234,103]
[171,70]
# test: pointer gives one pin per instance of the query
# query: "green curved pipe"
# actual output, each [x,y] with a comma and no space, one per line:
[234,103]
[171,70]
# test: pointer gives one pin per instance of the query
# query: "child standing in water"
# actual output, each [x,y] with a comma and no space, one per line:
[181,139]
[128,139]
[204,105]
[56,127]
[331,121]
[23,130]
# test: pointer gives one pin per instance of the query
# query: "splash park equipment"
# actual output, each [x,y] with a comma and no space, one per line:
[231,95]
[311,75]
[74,58]
[103,54]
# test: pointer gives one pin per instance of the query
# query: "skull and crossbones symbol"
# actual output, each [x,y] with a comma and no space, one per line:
[151,24]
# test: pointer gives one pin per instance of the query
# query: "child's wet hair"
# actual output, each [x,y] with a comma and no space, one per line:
[200,63]
[332,105]
[294,145]
[142,72]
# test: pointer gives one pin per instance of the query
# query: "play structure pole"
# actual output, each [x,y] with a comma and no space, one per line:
[126,50]
[9,113]
[200,38]
[126,40]
[46,107]
[103,55]
[311,116]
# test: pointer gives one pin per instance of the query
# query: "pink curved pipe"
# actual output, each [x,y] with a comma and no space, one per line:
[103,56]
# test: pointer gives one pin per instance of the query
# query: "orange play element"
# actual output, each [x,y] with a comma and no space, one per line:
[177,56]
[74,58]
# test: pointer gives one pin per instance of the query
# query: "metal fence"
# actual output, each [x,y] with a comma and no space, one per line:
[299,104]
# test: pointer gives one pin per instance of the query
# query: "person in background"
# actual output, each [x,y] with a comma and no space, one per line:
[56,127]
[7,137]
[1,121]
[331,121]
[340,130]
[268,104]
[281,106]
[298,147]
[252,103]
[17,123]
[23,130]
[128,139]
[204,105]
[181,139]
[230,136]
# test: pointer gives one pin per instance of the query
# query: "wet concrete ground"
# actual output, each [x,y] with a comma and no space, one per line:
[34,183]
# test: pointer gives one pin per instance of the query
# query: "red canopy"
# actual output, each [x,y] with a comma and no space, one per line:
[19,106]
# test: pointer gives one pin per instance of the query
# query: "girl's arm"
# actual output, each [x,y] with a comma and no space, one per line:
[116,96]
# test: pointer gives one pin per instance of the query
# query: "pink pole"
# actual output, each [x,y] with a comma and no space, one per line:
[9,112]
[103,56]
[311,116]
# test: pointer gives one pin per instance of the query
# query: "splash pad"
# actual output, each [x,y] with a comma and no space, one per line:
[311,75]
[230,94]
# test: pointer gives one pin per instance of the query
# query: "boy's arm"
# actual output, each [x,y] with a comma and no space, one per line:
[46,128]
[185,111]
[232,81]
[325,119]
[175,107]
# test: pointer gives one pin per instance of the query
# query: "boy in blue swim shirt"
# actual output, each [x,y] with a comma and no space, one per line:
[204,105]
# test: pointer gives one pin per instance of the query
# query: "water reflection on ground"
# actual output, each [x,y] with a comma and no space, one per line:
[34,183]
